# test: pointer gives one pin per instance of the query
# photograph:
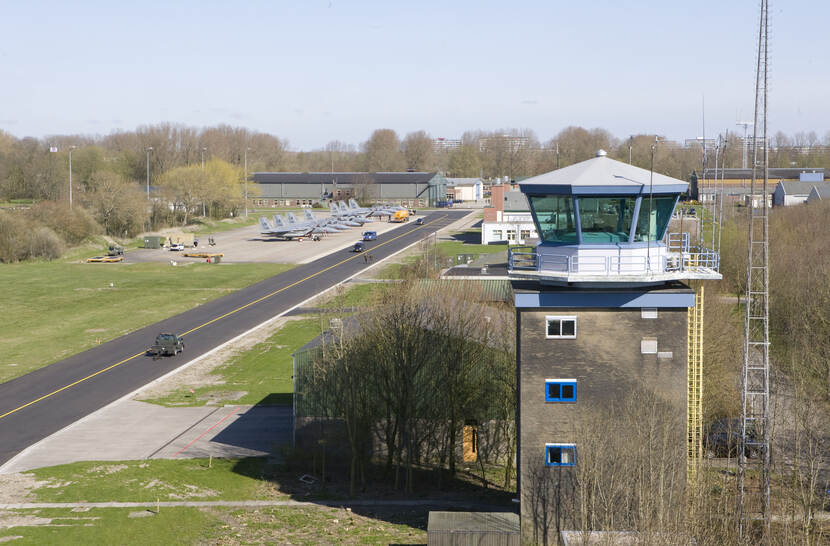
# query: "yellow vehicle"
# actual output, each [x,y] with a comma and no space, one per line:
[400,216]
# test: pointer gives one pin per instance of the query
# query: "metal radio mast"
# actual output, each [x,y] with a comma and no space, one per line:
[754,452]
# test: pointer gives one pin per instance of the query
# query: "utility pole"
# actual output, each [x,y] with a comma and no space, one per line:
[148,150]
[246,180]
[630,142]
[70,175]
[744,147]
[204,212]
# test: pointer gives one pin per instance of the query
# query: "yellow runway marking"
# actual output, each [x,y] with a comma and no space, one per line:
[229,313]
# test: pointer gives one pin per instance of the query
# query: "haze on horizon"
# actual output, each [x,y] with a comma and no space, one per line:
[328,70]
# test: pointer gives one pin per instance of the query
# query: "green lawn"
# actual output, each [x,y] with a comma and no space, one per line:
[155,479]
[54,309]
[263,373]
[215,525]
[356,295]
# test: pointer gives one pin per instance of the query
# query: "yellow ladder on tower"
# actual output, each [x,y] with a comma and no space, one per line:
[694,382]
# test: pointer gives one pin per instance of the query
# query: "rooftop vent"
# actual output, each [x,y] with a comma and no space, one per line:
[601,153]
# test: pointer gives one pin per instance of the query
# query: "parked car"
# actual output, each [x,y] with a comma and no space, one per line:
[177,246]
[370,235]
[419,222]
[359,246]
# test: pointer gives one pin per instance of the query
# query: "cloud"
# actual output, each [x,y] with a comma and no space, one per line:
[530,101]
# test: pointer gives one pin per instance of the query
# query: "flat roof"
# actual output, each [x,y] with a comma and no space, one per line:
[344,178]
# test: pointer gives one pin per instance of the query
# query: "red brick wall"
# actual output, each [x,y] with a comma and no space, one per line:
[496,202]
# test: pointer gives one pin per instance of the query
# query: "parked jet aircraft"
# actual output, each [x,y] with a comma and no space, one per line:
[279,229]
[330,222]
[343,214]
[380,210]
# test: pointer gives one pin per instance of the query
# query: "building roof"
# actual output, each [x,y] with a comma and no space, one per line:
[463,181]
[791,173]
[344,178]
[515,201]
[796,187]
[820,192]
[602,175]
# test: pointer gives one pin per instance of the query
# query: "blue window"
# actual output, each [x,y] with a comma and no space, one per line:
[560,390]
[560,454]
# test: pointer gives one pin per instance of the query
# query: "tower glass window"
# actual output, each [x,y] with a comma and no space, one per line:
[560,454]
[555,217]
[560,327]
[655,213]
[606,219]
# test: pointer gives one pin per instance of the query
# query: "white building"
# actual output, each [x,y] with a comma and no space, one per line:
[796,192]
[509,220]
[465,189]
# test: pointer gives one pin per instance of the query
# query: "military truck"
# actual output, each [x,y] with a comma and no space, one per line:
[166,345]
[115,250]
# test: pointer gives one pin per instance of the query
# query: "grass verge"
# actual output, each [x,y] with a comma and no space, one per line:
[215,525]
[149,480]
[54,310]
[263,373]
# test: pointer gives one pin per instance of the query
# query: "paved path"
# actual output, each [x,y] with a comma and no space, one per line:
[36,405]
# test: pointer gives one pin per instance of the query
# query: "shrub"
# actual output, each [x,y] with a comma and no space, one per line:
[21,239]
[73,225]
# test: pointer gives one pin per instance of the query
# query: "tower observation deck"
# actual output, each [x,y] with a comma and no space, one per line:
[604,223]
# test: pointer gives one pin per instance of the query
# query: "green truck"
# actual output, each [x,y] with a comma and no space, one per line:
[166,345]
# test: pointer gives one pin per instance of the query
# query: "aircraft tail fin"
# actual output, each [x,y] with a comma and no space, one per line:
[353,204]
[264,224]
[278,221]
[291,218]
[309,215]
[333,208]
[343,207]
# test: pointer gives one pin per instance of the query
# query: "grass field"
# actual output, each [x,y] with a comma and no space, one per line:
[57,309]
[263,373]
[215,525]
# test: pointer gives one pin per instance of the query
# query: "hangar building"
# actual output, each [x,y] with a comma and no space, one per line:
[408,189]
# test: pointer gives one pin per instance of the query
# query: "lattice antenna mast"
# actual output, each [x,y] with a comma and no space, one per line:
[754,452]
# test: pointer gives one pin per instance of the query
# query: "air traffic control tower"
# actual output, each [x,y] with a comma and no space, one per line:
[603,309]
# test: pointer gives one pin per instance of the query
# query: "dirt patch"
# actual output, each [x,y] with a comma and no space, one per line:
[14,519]
[18,487]
[182,492]
[199,374]
[107,469]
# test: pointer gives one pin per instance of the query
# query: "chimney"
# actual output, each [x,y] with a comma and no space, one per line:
[493,212]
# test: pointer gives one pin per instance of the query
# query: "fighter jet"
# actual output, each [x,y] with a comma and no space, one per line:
[329,222]
[279,229]
[313,224]
[344,215]
[380,210]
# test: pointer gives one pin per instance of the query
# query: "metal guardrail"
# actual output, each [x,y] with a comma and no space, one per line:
[696,260]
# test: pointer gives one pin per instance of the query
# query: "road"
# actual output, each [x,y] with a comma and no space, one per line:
[40,403]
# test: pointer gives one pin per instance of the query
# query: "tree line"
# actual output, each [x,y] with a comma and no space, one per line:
[28,170]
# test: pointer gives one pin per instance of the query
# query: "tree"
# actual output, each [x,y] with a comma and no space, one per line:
[383,152]
[118,205]
[464,162]
[184,187]
[417,149]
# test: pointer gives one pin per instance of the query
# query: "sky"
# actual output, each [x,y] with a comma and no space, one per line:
[314,71]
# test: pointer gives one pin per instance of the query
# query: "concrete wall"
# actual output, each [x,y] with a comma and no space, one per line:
[494,232]
[606,360]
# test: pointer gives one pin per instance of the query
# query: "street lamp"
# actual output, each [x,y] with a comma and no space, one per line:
[70,175]
[246,181]
[204,149]
[148,150]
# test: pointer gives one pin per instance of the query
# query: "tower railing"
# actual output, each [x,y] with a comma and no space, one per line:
[696,260]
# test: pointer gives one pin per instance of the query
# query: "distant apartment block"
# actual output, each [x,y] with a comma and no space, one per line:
[442,144]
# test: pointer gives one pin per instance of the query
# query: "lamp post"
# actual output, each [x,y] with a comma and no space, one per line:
[70,175]
[148,150]
[246,180]
[204,149]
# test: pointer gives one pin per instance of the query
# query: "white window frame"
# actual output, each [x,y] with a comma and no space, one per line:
[560,318]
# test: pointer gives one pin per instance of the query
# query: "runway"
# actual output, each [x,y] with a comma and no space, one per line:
[40,403]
